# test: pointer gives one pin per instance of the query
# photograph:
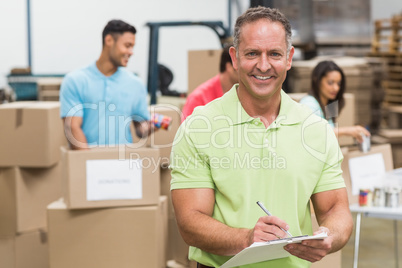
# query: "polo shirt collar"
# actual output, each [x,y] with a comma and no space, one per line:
[98,73]
[288,112]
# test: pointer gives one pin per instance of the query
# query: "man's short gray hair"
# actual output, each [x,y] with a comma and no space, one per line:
[256,13]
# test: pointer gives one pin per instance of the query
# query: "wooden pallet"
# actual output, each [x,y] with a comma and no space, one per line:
[392,84]
[392,47]
[393,94]
[395,69]
[388,36]
[388,24]
[395,76]
[384,54]
[391,101]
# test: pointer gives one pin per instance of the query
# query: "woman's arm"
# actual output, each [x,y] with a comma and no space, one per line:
[353,131]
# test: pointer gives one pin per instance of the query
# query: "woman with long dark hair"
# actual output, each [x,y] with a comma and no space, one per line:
[325,99]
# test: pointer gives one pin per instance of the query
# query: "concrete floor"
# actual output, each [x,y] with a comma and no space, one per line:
[377,247]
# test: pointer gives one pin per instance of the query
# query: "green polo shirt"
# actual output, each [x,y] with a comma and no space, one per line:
[221,147]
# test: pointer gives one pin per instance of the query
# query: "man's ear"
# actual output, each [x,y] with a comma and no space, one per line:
[232,52]
[290,58]
[109,40]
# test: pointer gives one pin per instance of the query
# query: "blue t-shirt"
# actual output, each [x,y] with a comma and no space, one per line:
[107,104]
[313,104]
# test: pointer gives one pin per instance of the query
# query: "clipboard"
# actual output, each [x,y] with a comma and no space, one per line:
[265,251]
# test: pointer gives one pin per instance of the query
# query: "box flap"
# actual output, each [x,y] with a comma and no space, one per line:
[58,204]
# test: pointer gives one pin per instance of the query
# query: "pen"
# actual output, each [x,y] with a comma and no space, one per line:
[269,214]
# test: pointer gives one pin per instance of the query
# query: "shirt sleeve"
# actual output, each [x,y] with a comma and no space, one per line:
[313,104]
[190,168]
[331,177]
[70,99]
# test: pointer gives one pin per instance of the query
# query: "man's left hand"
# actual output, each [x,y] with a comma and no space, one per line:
[312,250]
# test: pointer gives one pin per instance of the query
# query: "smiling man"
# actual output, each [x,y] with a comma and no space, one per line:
[100,102]
[256,144]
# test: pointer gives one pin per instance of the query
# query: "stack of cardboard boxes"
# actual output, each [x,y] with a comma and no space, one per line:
[107,219]
[393,137]
[30,178]
[111,214]
[102,207]
[49,88]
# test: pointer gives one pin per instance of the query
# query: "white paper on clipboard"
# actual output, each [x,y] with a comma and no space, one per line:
[366,172]
[264,251]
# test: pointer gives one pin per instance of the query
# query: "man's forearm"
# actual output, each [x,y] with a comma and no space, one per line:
[340,224]
[78,141]
[194,209]
[202,231]
[74,134]
[332,211]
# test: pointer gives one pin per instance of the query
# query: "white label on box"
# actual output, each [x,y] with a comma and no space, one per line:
[366,172]
[114,179]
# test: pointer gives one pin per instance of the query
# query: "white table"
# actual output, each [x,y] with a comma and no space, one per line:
[376,212]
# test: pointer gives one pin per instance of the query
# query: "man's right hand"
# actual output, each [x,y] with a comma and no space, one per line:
[268,228]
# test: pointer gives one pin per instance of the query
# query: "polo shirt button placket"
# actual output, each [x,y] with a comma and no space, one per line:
[266,143]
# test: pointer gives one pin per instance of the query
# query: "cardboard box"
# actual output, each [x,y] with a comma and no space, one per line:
[202,65]
[394,116]
[397,155]
[49,88]
[163,231]
[347,118]
[165,189]
[177,248]
[25,250]
[175,101]
[111,237]
[110,177]
[24,196]
[384,149]
[161,139]
[31,134]
[394,137]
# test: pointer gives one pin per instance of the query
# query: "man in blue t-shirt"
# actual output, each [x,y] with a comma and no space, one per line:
[99,102]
